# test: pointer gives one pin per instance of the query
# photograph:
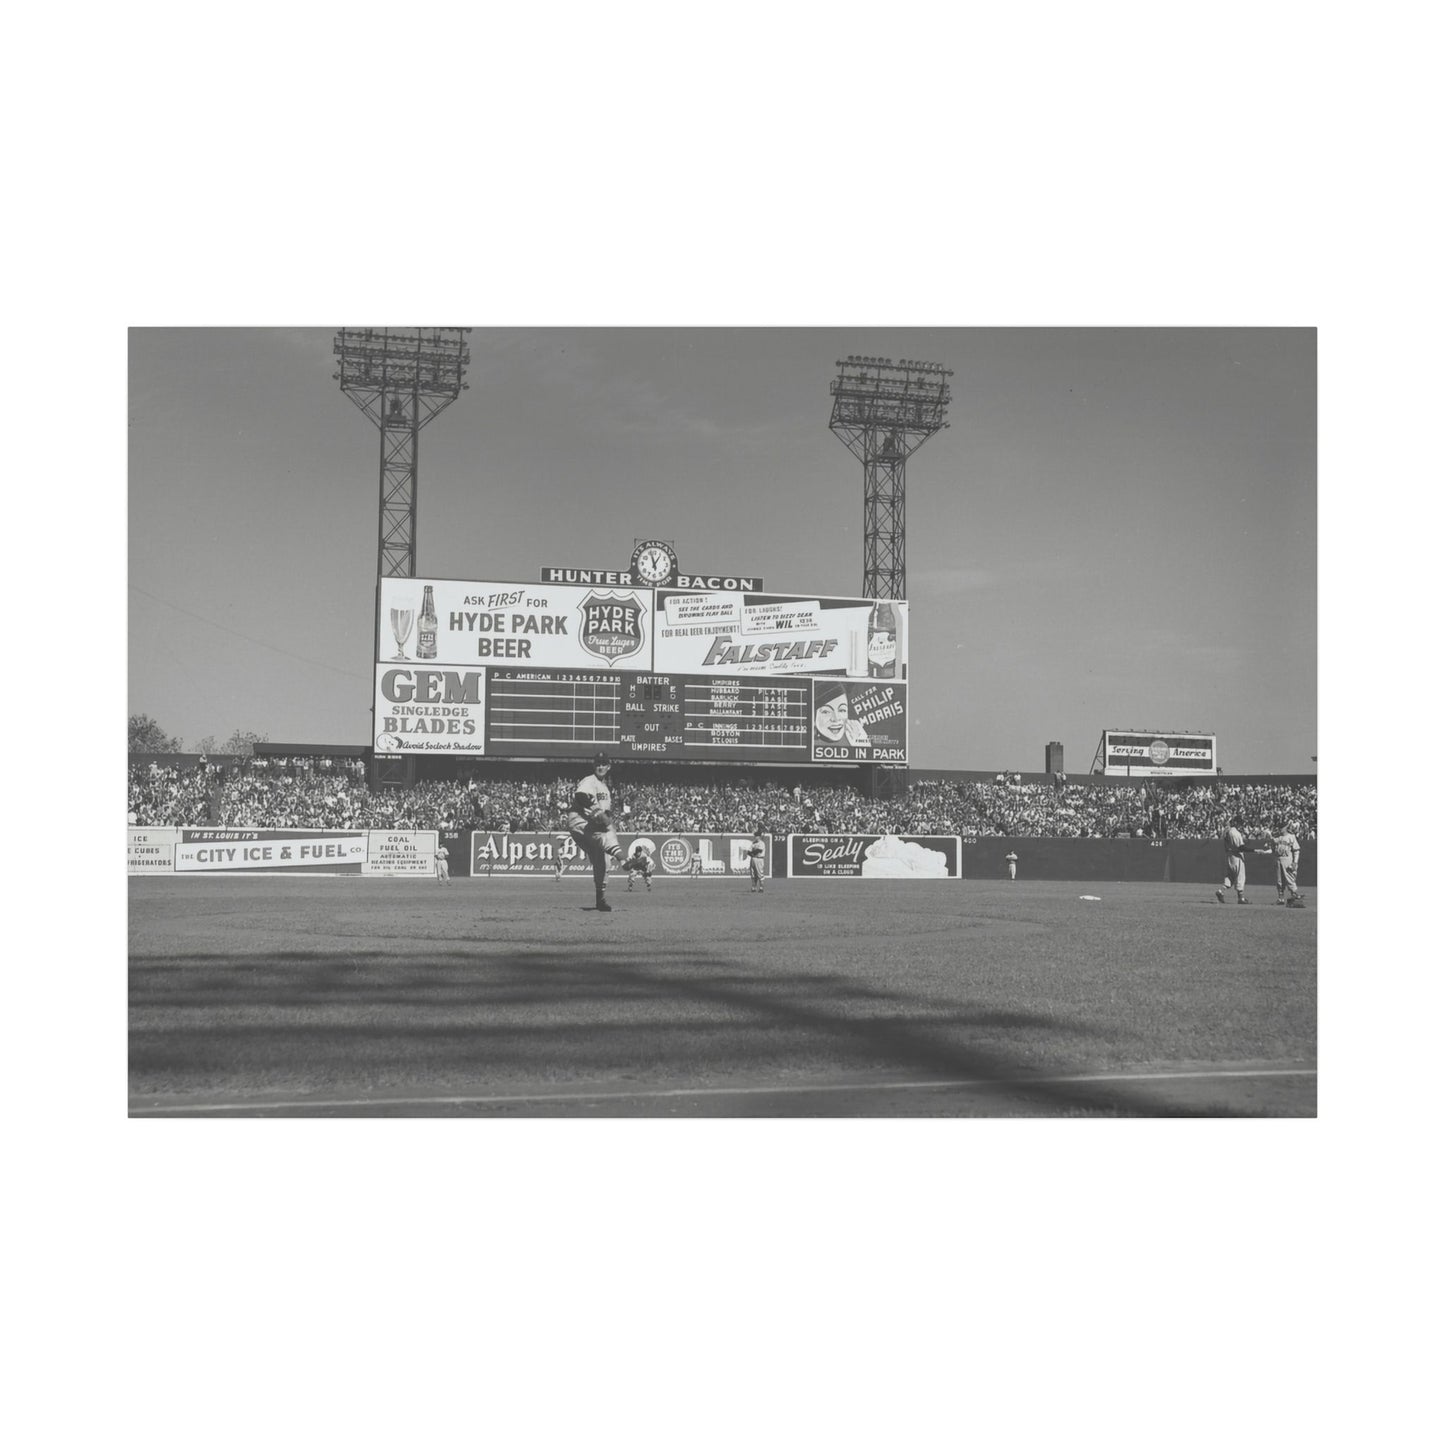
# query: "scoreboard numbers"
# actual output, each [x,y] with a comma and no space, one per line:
[536,711]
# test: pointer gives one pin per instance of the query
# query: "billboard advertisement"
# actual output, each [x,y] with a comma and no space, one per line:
[555,670]
[400,854]
[677,855]
[1135,753]
[375,853]
[423,708]
[859,722]
[444,623]
[873,855]
[741,635]
[151,850]
[441,623]
[270,850]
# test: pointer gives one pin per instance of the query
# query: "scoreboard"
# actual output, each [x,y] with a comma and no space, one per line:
[505,669]
[533,712]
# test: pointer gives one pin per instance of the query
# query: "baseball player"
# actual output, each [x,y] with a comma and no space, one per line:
[442,864]
[638,864]
[1285,847]
[589,822]
[1012,859]
[756,849]
[1233,861]
[560,836]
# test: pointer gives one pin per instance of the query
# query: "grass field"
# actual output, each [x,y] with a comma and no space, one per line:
[284,997]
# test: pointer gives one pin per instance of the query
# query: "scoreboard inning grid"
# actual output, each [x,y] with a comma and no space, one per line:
[507,669]
[735,717]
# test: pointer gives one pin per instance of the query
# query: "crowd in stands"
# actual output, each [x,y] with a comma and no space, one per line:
[327,793]
[162,795]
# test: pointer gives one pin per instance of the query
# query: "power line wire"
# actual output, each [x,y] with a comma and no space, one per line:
[245,637]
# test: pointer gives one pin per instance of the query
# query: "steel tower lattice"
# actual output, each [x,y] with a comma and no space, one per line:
[401,377]
[883,411]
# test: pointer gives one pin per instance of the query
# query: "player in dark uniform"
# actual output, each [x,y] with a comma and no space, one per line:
[1234,872]
[589,821]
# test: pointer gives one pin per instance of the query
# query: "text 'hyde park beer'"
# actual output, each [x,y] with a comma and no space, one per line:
[882,641]
[426,628]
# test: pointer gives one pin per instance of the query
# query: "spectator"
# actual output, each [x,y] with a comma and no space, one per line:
[261,794]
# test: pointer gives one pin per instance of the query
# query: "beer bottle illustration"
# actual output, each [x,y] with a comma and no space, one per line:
[882,640]
[426,628]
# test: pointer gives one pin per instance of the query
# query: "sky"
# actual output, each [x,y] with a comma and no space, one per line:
[1116,529]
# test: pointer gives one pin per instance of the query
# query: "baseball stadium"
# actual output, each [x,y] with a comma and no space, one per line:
[629,840]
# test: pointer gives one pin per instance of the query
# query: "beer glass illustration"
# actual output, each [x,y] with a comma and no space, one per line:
[401,622]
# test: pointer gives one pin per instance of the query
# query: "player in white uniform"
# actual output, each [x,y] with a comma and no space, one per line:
[1012,859]
[756,849]
[589,821]
[1286,863]
[442,863]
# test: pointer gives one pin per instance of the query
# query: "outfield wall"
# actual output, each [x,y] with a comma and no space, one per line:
[678,855]
[398,853]
[1123,860]
[366,852]
[403,853]
[873,855]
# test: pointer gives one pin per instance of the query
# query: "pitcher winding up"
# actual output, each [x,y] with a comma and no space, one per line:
[589,821]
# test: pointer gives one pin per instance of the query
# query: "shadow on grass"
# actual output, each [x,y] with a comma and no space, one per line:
[518,1016]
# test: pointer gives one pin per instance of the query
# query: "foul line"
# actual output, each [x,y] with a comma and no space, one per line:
[606,1095]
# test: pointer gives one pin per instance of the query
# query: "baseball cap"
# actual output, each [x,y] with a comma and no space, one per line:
[599,759]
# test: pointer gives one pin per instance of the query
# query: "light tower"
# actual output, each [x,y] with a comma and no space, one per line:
[883,411]
[401,377]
